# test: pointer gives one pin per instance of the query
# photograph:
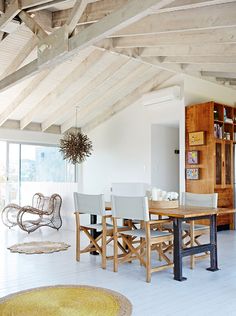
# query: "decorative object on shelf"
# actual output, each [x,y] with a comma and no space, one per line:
[196,138]
[192,174]
[38,247]
[218,131]
[66,300]
[193,157]
[76,146]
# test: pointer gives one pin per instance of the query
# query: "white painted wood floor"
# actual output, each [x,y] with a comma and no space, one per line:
[204,293]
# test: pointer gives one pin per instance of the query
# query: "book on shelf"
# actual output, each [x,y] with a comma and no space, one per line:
[218,131]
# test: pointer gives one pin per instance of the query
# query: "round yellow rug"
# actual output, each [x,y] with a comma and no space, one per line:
[66,301]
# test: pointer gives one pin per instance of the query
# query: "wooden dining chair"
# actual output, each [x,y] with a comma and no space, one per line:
[92,205]
[136,208]
[193,230]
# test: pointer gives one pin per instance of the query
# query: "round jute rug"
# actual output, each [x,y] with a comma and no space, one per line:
[38,247]
[66,300]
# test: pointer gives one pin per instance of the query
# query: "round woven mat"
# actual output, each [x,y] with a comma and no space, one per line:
[63,300]
[38,247]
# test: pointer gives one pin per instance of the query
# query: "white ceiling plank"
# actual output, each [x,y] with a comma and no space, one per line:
[4,116]
[32,25]
[186,20]
[134,96]
[25,4]
[76,14]
[20,57]
[10,12]
[80,96]
[85,63]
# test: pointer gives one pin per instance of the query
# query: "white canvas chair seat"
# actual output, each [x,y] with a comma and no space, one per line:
[142,233]
[136,208]
[99,227]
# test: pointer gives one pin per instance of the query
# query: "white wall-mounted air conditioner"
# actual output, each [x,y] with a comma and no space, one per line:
[162,95]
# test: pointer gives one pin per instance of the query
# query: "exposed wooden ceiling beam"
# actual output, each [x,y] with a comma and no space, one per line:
[18,76]
[99,10]
[131,98]
[118,90]
[222,60]
[217,74]
[33,127]
[93,12]
[2,6]
[225,35]
[10,12]
[82,95]
[75,15]
[25,4]
[128,14]
[16,102]
[186,20]
[32,25]
[86,61]
[188,50]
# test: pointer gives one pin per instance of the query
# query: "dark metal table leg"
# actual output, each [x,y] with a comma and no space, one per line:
[213,242]
[178,250]
[94,233]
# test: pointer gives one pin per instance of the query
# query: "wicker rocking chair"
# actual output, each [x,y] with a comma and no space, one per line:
[45,211]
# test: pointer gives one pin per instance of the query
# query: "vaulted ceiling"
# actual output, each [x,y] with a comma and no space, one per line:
[101,56]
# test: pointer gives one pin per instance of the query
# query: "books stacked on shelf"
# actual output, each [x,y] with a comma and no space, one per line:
[228,120]
[218,131]
[234,136]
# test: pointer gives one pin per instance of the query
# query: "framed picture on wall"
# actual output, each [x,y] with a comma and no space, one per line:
[196,138]
[193,157]
[192,174]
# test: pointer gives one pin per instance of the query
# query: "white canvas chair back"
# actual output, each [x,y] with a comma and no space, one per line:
[89,204]
[129,189]
[197,199]
[127,207]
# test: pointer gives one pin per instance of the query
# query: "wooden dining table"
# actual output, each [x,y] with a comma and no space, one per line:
[185,213]
[182,214]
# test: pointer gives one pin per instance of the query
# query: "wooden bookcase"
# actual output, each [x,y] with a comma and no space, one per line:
[216,163]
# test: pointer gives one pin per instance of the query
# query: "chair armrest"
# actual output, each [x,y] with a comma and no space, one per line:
[32,210]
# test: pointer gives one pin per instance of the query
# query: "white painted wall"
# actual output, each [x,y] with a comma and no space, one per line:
[164,160]
[122,145]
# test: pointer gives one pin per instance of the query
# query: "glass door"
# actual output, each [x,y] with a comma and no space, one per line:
[13,173]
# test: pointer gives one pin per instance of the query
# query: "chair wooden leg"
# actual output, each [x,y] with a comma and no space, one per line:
[115,260]
[77,237]
[148,253]
[104,244]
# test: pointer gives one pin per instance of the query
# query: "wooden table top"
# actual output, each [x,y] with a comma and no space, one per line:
[185,211]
